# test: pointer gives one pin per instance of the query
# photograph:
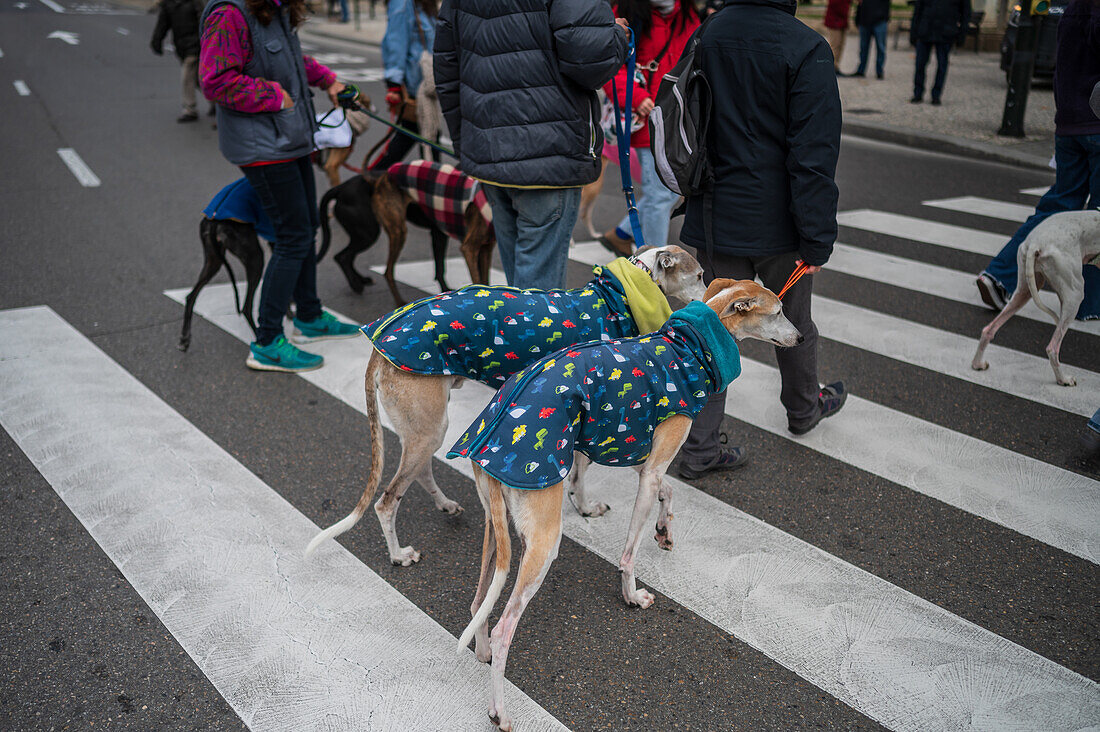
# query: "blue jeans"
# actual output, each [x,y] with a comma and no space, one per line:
[533,227]
[943,53]
[289,197]
[1076,183]
[865,34]
[655,206]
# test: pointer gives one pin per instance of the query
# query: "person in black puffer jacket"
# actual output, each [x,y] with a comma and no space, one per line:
[524,116]
[938,25]
[773,143]
[872,19]
[182,18]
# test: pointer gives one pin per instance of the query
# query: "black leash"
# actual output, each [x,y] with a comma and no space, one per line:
[349,99]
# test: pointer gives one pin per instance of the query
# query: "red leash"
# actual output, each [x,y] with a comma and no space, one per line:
[795,277]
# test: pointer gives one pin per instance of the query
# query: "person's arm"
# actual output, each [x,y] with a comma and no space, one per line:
[813,145]
[226,48]
[161,30]
[964,20]
[590,47]
[445,71]
[914,21]
[318,74]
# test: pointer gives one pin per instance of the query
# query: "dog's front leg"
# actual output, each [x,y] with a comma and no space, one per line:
[663,534]
[576,488]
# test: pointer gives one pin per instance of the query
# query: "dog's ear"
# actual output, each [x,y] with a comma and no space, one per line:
[738,305]
[716,285]
[666,259]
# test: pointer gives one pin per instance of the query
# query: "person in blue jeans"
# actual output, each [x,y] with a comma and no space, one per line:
[872,19]
[1076,154]
[1090,440]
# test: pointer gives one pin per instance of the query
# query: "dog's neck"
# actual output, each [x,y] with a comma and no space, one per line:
[646,261]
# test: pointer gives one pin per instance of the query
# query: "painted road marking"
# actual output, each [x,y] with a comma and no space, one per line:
[1042,501]
[1038,191]
[78,167]
[52,6]
[930,232]
[887,653]
[984,207]
[21,87]
[217,554]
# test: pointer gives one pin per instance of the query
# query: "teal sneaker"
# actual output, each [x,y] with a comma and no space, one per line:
[280,355]
[324,328]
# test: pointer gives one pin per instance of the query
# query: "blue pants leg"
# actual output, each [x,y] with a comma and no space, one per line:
[533,227]
[864,49]
[879,32]
[1076,183]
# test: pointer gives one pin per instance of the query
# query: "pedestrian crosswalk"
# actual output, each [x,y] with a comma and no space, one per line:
[330,644]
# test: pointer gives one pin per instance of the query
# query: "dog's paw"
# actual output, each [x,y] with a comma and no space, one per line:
[640,598]
[980,365]
[483,653]
[593,509]
[1068,381]
[407,557]
[663,540]
[449,507]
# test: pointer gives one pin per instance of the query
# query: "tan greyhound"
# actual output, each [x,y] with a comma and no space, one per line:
[745,310]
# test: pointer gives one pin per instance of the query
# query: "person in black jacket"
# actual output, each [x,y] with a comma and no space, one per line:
[774,138]
[937,24]
[182,18]
[872,19]
[525,118]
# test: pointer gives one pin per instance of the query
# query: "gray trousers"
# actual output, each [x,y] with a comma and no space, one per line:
[189,77]
[797,366]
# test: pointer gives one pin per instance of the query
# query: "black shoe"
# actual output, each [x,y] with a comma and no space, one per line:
[936,102]
[188,117]
[840,73]
[858,75]
[880,76]
[730,459]
[829,400]
[992,293]
[1090,443]
[915,100]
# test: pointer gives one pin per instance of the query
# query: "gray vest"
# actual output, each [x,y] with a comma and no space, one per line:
[276,56]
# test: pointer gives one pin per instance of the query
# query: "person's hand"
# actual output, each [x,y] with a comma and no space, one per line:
[395,95]
[645,107]
[287,101]
[623,23]
[810,268]
[334,88]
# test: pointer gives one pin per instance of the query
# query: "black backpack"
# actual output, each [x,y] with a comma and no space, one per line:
[678,124]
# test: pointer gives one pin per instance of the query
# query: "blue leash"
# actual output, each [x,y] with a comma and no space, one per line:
[622,137]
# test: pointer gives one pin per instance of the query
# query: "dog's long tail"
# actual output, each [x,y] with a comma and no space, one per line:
[498,515]
[1032,255]
[376,461]
[322,213]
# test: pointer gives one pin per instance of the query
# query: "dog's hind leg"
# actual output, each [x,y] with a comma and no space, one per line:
[439,256]
[488,557]
[667,439]
[253,271]
[1070,286]
[213,258]
[663,530]
[1018,300]
[538,522]
[576,488]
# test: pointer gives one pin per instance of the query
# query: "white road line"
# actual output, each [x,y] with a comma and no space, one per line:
[984,207]
[217,554]
[930,232]
[1038,191]
[909,274]
[21,87]
[52,6]
[889,654]
[1047,503]
[78,167]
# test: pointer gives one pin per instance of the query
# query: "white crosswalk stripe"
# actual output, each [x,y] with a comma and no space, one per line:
[929,232]
[1037,191]
[889,654]
[985,207]
[217,554]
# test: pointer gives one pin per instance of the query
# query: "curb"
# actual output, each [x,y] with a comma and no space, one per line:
[935,142]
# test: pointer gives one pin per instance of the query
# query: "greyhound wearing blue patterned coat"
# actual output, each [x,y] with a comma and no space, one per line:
[698,339]
[427,348]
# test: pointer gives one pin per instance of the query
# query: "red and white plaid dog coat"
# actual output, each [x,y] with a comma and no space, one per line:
[444,192]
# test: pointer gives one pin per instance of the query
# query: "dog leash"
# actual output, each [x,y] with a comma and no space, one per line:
[622,139]
[800,270]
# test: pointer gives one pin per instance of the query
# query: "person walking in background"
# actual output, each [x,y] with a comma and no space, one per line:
[524,116]
[182,18]
[410,33]
[252,66]
[872,19]
[937,25]
[774,197]
[1076,153]
[837,13]
[661,29]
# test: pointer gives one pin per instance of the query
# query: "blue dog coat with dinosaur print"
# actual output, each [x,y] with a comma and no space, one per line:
[489,333]
[603,399]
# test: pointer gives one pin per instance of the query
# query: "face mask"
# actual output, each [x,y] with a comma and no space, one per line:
[664,7]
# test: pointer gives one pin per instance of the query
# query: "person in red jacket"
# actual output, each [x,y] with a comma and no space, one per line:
[661,30]
[837,13]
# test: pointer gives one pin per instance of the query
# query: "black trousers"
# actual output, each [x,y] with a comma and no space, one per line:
[943,55]
[797,366]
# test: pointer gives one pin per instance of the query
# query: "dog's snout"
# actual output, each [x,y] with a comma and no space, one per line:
[800,339]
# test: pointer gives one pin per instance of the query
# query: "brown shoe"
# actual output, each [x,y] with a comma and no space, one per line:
[615,244]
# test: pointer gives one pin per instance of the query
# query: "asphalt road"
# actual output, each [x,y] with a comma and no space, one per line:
[81,646]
